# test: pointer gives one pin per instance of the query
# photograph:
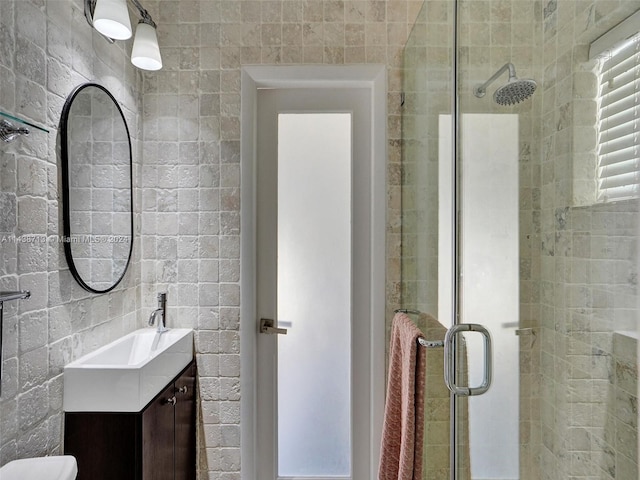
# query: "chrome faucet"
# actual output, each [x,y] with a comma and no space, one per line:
[160,312]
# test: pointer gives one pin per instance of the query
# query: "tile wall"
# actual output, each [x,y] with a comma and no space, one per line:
[186,174]
[588,269]
[46,49]
[191,168]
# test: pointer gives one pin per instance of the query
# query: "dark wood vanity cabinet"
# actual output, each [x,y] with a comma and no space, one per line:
[185,425]
[158,443]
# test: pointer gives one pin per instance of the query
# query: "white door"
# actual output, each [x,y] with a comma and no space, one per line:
[314,223]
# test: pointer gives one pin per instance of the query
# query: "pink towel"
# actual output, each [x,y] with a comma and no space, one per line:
[403,430]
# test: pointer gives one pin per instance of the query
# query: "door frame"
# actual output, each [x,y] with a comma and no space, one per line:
[373,78]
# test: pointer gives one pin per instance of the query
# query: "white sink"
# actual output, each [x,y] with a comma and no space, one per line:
[125,375]
[42,468]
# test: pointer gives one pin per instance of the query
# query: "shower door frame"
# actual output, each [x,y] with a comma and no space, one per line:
[455,234]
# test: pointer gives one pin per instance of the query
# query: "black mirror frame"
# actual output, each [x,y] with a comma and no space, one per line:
[66,214]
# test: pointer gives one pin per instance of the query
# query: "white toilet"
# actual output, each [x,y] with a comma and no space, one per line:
[41,468]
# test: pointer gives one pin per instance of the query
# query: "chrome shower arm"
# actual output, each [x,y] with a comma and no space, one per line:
[480,90]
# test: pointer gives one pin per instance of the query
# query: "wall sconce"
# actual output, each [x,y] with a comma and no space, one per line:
[111,19]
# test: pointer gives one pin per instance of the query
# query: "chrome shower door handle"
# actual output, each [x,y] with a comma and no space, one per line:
[449,360]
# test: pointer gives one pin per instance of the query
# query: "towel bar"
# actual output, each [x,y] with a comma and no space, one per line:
[430,343]
[406,310]
[421,340]
[6,296]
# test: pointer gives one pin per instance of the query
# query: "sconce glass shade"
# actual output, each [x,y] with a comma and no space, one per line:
[146,52]
[111,18]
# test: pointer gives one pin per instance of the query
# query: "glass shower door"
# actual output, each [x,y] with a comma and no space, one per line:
[546,264]
[496,138]
[461,254]
[489,291]
[427,211]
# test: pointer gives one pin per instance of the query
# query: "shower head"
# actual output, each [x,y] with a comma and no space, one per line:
[515,91]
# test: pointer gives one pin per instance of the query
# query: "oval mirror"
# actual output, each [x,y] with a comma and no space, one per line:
[97,189]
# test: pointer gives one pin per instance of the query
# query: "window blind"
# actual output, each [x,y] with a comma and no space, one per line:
[619,123]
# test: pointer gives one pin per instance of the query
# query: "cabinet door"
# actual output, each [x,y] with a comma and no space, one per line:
[104,444]
[185,439]
[157,438]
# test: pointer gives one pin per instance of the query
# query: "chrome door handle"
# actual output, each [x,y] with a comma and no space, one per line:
[268,326]
[449,362]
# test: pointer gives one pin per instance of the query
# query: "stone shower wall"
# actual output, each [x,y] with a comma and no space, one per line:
[588,271]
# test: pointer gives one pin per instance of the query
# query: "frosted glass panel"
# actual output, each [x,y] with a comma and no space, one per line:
[314,294]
